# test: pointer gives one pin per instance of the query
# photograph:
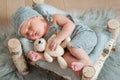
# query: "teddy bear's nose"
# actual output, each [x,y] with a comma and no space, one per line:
[39,42]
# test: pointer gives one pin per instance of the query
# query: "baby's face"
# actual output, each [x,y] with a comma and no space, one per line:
[34,28]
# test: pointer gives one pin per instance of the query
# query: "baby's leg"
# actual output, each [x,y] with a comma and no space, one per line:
[76,66]
[78,59]
[34,56]
[74,63]
[80,55]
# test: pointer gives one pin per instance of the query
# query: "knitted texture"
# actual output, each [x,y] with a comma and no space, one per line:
[21,15]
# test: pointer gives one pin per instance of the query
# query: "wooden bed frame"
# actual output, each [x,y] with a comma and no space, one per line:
[89,72]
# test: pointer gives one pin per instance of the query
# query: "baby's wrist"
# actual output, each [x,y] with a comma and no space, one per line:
[59,39]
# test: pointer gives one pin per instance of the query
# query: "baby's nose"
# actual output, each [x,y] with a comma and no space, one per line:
[30,33]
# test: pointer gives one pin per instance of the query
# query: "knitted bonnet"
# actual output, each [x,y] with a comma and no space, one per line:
[21,15]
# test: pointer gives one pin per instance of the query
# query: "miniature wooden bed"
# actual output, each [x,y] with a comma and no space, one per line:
[89,72]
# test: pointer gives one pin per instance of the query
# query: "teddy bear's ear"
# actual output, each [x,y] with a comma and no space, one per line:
[51,38]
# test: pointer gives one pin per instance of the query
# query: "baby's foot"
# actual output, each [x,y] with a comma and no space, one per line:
[34,56]
[77,66]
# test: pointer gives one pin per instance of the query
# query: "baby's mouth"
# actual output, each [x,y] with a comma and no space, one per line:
[35,33]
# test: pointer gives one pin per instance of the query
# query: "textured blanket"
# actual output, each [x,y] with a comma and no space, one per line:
[95,19]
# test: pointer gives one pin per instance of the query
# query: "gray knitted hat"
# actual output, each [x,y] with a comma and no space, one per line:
[21,15]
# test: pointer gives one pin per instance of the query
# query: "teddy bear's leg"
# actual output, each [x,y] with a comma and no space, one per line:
[62,62]
[48,57]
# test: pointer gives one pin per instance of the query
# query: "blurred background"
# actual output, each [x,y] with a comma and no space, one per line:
[8,7]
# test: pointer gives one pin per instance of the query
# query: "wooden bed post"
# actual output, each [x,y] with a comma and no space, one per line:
[88,72]
[113,26]
[17,56]
[38,1]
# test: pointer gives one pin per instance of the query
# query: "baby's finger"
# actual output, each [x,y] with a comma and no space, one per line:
[51,46]
[31,57]
[30,54]
[35,58]
[54,47]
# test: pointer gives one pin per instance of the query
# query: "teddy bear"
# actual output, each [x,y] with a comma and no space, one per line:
[41,45]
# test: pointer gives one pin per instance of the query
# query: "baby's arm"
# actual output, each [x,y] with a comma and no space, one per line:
[68,27]
[66,23]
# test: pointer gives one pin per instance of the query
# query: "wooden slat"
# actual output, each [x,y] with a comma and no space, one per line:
[84,4]
[114,4]
[3,10]
[57,3]
[28,3]
[8,7]
[12,5]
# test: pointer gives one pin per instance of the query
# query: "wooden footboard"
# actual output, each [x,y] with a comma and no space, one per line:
[91,73]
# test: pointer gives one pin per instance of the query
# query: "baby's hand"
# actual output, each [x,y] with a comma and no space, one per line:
[54,43]
[34,56]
